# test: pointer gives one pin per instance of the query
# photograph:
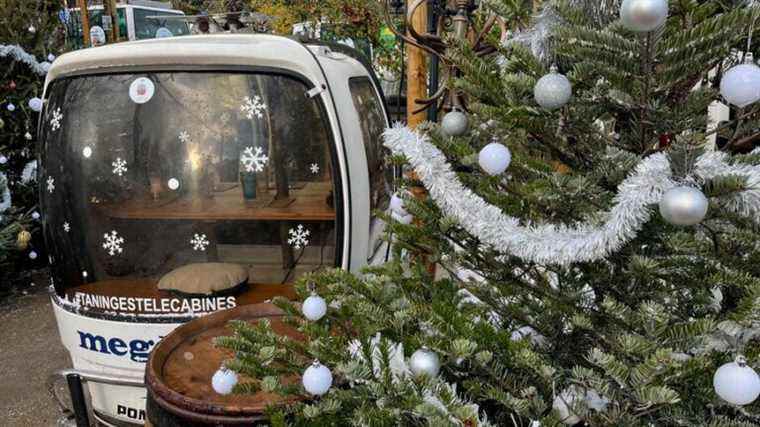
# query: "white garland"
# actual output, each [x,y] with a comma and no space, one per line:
[5,194]
[19,54]
[560,244]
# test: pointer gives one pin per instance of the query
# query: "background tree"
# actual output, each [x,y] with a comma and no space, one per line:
[629,334]
[29,34]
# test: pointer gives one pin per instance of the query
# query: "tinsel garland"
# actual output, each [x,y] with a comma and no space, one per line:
[5,194]
[19,54]
[560,244]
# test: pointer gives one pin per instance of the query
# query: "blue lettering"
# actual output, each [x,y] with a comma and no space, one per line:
[92,342]
[117,346]
[138,350]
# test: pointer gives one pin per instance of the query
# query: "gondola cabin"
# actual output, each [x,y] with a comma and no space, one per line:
[183,176]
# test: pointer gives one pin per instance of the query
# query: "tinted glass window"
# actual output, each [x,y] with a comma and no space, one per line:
[373,123]
[146,25]
[144,174]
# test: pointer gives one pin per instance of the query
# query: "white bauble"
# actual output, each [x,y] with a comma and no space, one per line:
[425,362]
[397,205]
[35,215]
[28,136]
[173,183]
[317,379]
[33,255]
[314,307]
[32,29]
[10,107]
[684,206]
[404,219]
[224,380]
[3,159]
[553,90]
[51,57]
[643,15]
[35,104]
[494,158]
[454,123]
[737,383]
[740,85]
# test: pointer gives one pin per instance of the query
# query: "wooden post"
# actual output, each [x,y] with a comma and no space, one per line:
[110,9]
[416,70]
[416,88]
[82,5]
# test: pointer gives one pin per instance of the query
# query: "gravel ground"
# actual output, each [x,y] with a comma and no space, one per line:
[30,350]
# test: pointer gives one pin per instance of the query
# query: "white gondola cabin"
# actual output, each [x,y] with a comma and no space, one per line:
[181,176]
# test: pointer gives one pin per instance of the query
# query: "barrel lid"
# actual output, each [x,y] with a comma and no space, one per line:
[180,368]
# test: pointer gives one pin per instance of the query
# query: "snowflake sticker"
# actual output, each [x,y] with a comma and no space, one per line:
[184,137]
[66,227]
[119,166]
[112,243]
[299,237]
[50,184]
[55,122]
[314,168]
[199,242]
[253,107]
[254,160]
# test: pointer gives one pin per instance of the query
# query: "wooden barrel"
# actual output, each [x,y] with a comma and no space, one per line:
[179,370]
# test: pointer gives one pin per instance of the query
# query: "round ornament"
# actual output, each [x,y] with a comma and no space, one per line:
[32,29]
[141,90]
[683,206]
[404,219]
[28,136]
[35,104]
[3,159]
[494,158]
[740,85]
[224,380]
[33,255]
[23,239]
[425,362]
[317,379]
[35,215]
[163,32]
[173,183]
[737,383]
[454,123]
[314,307]
[51,57]
[10,107]
[397,205]
[87,152]
[553,90]
[643,15]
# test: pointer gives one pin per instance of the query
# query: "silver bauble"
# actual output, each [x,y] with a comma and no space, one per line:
[684,206]
[553,90]
[740,85]
[643,15]
[425,362]
[454,123]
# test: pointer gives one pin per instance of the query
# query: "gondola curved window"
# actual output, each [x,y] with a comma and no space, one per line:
[373,122]
[173,183]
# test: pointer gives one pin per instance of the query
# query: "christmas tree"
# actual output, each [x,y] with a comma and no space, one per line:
[29,38]
[587,253]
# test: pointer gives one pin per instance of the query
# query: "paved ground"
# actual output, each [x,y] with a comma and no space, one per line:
[30,350]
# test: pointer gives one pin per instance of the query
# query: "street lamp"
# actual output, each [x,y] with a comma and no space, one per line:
[456,15]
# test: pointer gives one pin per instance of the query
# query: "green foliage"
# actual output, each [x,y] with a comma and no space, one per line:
[643,329]
[18,83]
